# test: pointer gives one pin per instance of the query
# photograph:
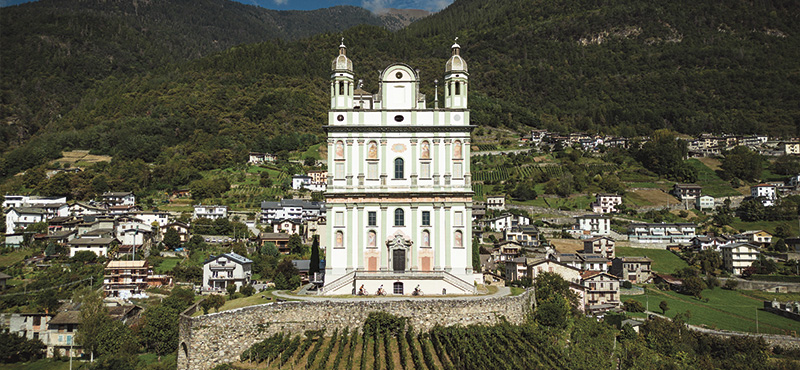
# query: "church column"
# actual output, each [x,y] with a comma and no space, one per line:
[331,155]
[467,160]
[359,237]
[415,237]
[384,162]
[381,243]
[467,240]
[414,164]
[437,238]
[349,170]
[436,159]
[448,230]
[448,162]
[361,157]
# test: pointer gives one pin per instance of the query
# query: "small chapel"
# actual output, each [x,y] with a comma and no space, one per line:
[399,195]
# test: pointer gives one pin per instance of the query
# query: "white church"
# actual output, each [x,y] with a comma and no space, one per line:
[399,190]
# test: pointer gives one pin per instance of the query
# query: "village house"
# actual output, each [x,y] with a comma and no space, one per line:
[226,269]
[506,251]
[525,235]
[180,227]
[290,209]
[160,218]
[506,221]
[288,226]
[591,225]
[210,212]
[646,233]
[260,158]
[123,209]
[496,202]
[601,245]
[710,241]
[478,211]
[634,269]
[318,176]
[687,192]
[22,217]
[119,198]
[758,238]
[737,257]
[307,182]
[98,246]
[583,261]
[602,291]
[61,331]
[606,203]
[765,193]
[704,203]
[315,227]
[125,279]
[281,241]
[79,209]
[789,148]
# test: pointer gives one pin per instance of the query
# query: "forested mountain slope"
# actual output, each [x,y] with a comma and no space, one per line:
[52,50]
[620,67]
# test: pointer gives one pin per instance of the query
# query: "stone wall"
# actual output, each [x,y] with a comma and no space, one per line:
[206,341]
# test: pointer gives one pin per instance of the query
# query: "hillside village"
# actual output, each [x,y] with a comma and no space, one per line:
[213,185]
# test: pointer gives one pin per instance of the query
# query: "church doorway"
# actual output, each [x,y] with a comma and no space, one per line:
[399,260]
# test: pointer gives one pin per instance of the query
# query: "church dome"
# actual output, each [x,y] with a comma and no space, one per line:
[456,63]
[342,63]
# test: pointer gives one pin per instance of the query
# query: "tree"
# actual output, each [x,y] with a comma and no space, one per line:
[269,249]
[16,348]
[172,239]
[286,275]
[786,165]
[160,330]
[783,230]
[664,306]
[231,288]
[632,305]
[476,256]
[751,210]
[314,263]
[551,286]
[553,312]
[664,154]
[780,246]
[693,285]
[296,245]
[247,290]
[743,163]
[94,319]
[731,284]
[214,301]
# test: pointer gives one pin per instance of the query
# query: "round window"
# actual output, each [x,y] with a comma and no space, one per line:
[340,118]
[398,118]
[399,75]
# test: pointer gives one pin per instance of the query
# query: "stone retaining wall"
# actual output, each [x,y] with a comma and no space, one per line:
[206,341]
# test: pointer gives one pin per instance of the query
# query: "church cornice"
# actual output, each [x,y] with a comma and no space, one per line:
[348,128]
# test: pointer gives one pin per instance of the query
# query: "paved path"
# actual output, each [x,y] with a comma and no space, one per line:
[501,292]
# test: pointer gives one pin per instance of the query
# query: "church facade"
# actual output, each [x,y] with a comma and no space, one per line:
[399,191]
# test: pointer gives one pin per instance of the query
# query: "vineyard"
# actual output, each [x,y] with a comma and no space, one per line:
[499,174]
[386,343]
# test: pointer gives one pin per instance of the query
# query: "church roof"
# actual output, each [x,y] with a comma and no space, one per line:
[456,63]
[342,63]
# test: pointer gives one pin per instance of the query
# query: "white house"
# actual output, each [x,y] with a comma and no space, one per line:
[661,233]
[606,203]
[765,193]
[150,217]
[119,198]
[23,217]
[226,269]
[98,246]
[210,212]
[704,203]
[79,209]
[259,158]
[737,257]
[507,221]
[593,225]
[291,209]
[496,202]
[15,201]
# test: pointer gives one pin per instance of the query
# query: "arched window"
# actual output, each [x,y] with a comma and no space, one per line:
[341,87]
[398,168]
[339,150]
[458,88]
[459,239]
[398,217]
[339,239]
[426,239]
[457,149]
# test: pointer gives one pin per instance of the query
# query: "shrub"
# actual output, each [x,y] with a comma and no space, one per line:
[633,306]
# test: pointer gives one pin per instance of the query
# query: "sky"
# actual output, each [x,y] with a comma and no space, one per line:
[376,6]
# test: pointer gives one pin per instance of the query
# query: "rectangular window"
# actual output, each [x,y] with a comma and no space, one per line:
[372,171]
[459,218]
[339,221]
[372,218]
[339,171]
[457,170]
[426,218]
[425,170]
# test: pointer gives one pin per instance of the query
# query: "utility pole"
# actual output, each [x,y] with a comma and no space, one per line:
[756,320]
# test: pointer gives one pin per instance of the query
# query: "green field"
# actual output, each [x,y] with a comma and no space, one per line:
[167,265]
[712,184]
[45,364]
[768,226]
[725,309]
[663,260]
[8,259]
